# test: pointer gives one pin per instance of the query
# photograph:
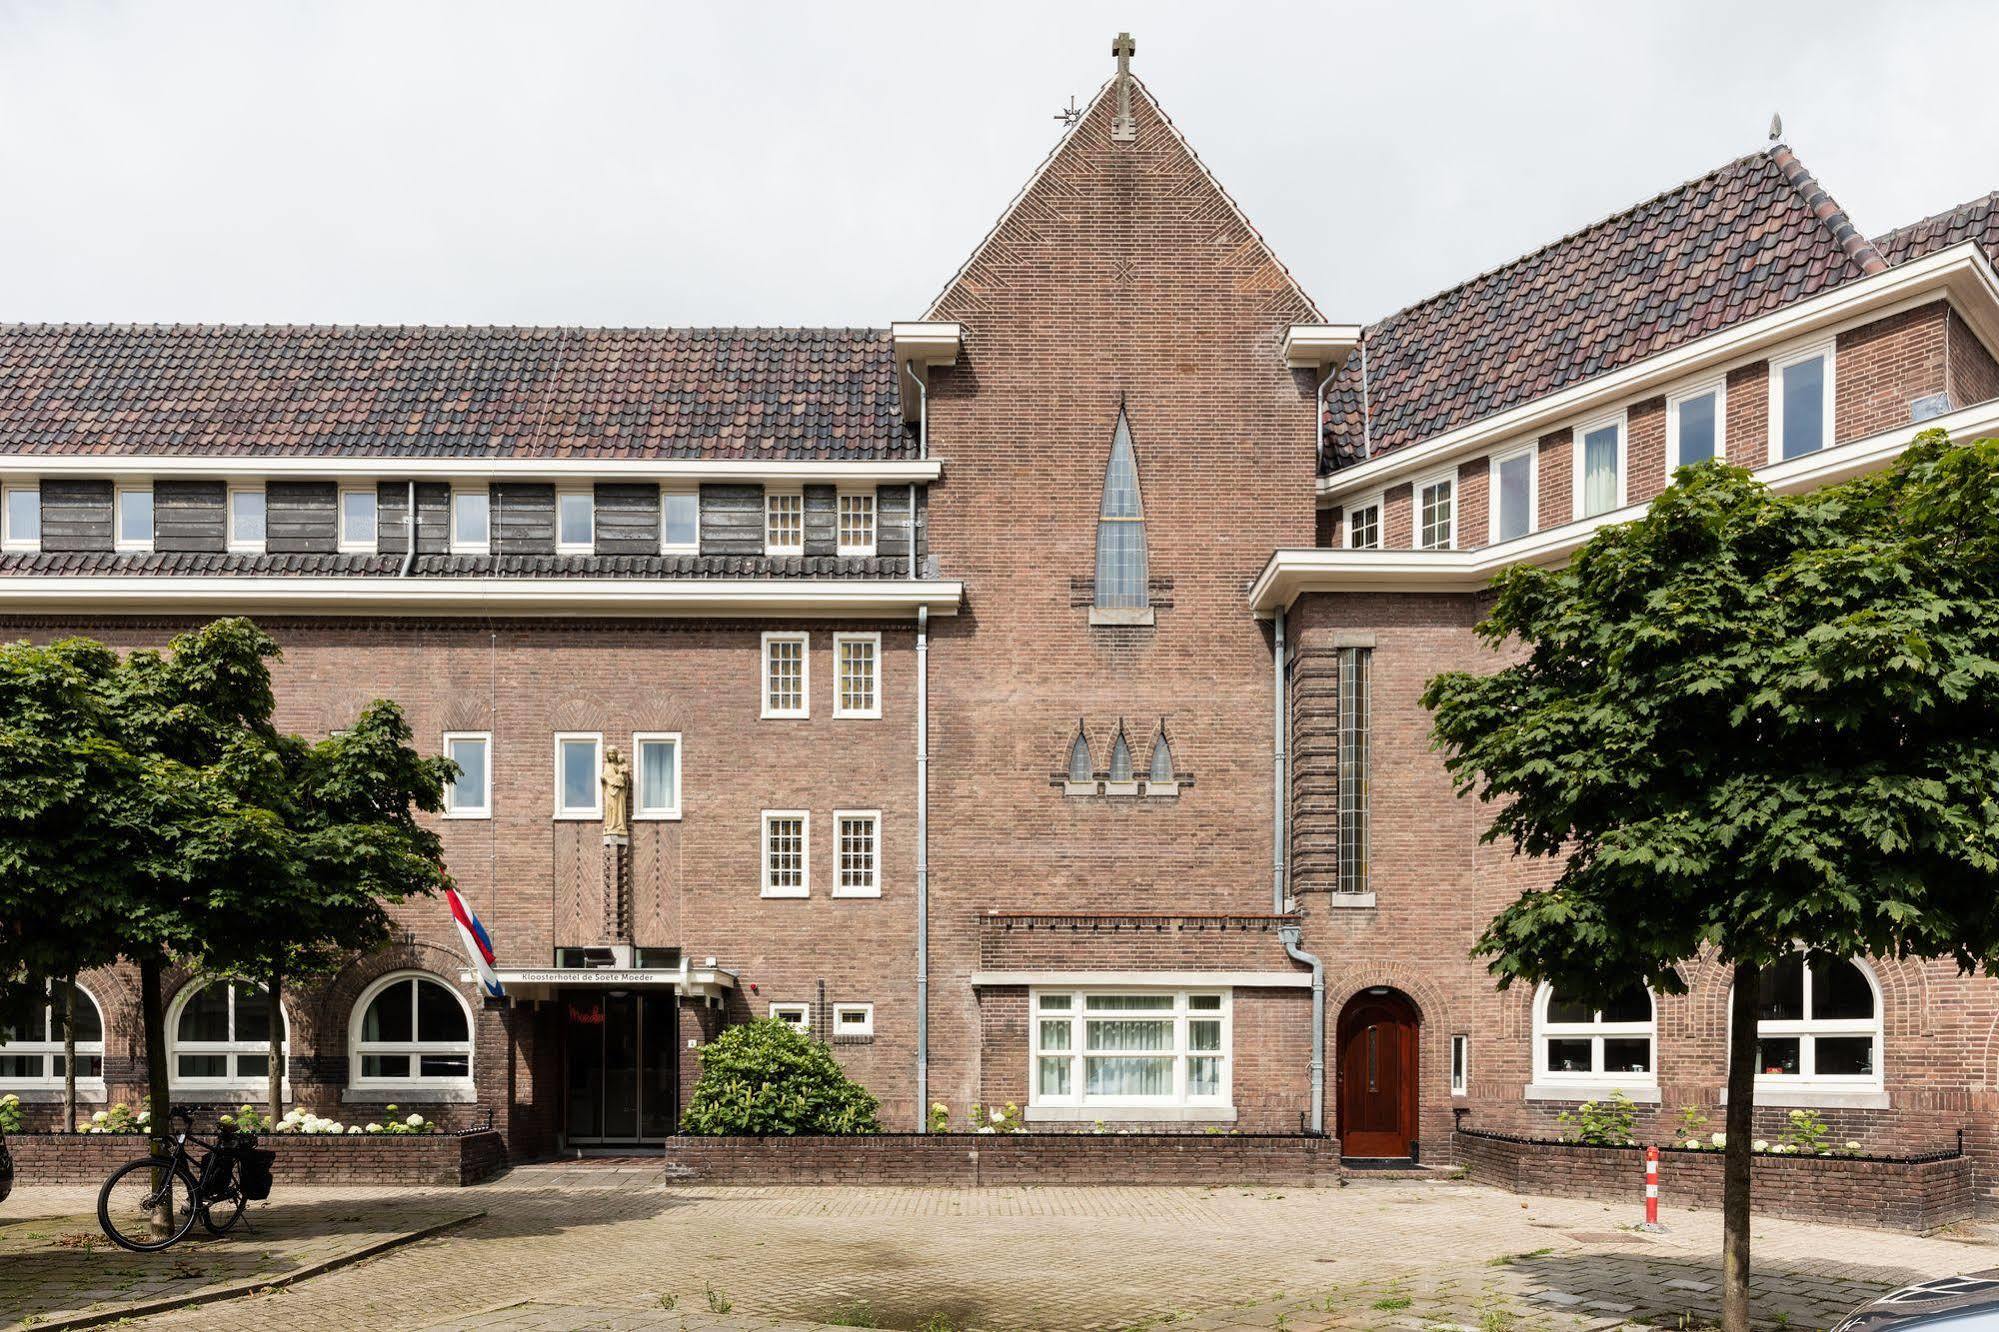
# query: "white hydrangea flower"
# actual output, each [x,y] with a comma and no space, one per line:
[414,1121]
[1719,1139]
[1759,1146]
[356,1128]
[1852,1146]
[374,1128]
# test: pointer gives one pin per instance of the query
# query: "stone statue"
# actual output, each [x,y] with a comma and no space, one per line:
[617,794]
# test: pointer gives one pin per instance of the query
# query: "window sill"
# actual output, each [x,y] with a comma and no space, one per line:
[581,816]
[657,816]
[1120,788]
[1121,615]
[467,816]
[1350,901]
[1130,1114]
[410,1095]
[786,894]
[874,715]
[1818,1096]
[1571,1091]
[1165,790]
[784,716]
[1079,788]
[89,1091]
[860,893]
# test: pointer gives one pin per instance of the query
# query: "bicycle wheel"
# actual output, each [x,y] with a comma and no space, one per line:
[218,1215]
[143,1212]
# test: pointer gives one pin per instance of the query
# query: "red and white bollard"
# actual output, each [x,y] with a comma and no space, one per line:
[1651,1190]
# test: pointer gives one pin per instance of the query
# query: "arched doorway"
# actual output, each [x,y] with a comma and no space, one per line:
[1377,1075]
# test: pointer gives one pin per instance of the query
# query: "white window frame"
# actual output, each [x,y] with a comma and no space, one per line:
[804,708]
[234,544]
[1596,1031]
[415,1049]
[1807,1030]
[233,1082]
[1583,429]
[1826,347]
[804,888]
[1416,508]
[840,708]
[794,1014]
[770,497]
[1532,452]
[1078,1104]
[865,1027]
[1460,1064]
[587,546]
[49,1048]
[9,540]
[662,813]
[118,540]
[842,545]
[484,809]
[679,547]
[572,813]
[1380,506]
[345,541]
[1719,388]
[451,521]
[873,888]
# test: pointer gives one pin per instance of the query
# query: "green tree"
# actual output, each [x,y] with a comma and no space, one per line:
[762,1077]
[1746,724]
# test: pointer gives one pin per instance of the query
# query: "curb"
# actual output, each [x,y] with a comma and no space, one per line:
[212,1294]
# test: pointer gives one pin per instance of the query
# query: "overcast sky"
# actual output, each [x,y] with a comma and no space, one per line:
[613,163]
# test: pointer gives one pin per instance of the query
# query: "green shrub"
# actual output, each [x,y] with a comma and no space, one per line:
[10,1113]
[762,1077]
[1608,1123]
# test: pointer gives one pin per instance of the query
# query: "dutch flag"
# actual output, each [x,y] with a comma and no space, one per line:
[477,945]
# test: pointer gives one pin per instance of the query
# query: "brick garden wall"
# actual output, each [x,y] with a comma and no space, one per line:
[971,1160]
[446,1159]
[1914,1194]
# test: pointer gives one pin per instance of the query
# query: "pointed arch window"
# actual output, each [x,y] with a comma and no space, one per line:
[1121,758]
[1079,758]
[1121,565]
[1161,767]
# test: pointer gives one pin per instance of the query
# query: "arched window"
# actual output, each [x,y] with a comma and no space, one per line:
[219,1036]
[31,1054]
[1079,758]
[1161,767]
[410,1030]
[1604,1047]
[1818,1021]
[1121,758]
[1121,569]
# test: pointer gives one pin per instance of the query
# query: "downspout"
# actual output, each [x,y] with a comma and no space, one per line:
[1290,934]
[922,860]
[922,410]
[409,530]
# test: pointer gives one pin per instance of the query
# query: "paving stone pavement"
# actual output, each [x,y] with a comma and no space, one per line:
[562,1247]
[55,1262]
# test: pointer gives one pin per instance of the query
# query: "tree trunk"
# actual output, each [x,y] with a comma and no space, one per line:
[1735,1157]
[274,1076]
[153,1016]
[69,1054]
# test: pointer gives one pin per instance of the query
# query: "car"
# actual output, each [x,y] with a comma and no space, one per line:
[1967,1302]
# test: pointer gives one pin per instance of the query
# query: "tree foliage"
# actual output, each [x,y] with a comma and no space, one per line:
[1748,721]
[762,1077]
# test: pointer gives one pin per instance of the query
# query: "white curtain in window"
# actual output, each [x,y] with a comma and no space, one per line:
[1600,470]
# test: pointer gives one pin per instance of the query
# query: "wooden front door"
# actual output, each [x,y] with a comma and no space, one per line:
[1377,1066]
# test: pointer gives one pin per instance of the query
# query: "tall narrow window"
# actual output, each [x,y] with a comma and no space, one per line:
[1121,571]
[656,765]
[469,795]
[856,534]
[357,519]
[246,519]
[575,521]
[680,521]
[579,775]
[24,518]
[1161,767]
[784,676]
[1513,495]
[859,852]
[1600,478]
[855,660]
[471,521]
[1353,768]
[785,840]
[784,523]
[1801,403]
[1693,427]
[1437,514]
[135,518]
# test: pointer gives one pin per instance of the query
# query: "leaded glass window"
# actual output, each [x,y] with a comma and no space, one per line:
[1121,564]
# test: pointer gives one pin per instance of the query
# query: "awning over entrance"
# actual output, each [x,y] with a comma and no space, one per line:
[544,982]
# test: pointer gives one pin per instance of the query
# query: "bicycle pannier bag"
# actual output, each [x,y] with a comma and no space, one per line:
[254,1172]
[215,1174]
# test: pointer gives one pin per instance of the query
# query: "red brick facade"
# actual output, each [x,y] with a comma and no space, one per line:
[1123,283]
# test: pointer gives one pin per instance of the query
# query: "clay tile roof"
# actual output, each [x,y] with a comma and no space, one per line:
[1977,220]
[449,392]
[1745,239]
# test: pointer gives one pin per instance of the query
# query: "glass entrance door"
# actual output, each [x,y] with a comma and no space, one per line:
[621,1078]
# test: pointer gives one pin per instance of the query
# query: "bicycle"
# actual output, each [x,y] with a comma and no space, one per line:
[152,1203]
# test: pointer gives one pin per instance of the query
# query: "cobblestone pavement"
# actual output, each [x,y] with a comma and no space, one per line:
[574,1247]
[55,1261]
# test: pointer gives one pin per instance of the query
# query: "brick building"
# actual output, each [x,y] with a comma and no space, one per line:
[1021,698]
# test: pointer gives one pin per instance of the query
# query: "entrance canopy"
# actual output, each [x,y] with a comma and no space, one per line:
[543,982]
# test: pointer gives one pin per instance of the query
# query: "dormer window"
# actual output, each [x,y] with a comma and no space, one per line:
[1364,527]
[784,523]
[575,522]
[1121,583]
